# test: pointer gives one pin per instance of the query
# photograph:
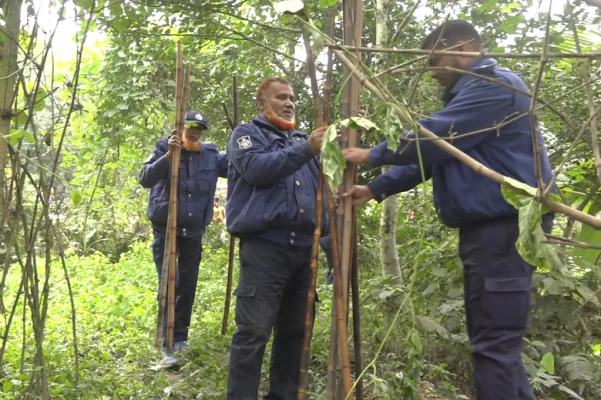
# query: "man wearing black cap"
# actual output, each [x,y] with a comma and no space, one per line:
[200,166]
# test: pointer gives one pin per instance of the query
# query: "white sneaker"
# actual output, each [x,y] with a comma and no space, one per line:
[168,361]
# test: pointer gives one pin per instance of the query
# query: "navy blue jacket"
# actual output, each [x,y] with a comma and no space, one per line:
[461,195]
[272,183]
[198,172]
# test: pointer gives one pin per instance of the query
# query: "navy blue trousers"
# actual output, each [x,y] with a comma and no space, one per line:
[497,291]
[189,251]
[271,296]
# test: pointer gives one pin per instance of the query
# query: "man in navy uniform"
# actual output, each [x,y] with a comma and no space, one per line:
[497,281]
[272,183]
[200,166]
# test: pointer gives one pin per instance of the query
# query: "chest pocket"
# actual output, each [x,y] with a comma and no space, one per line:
[203,171]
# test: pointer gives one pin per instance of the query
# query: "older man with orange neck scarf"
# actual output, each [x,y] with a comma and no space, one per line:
[272,183]
[200,166]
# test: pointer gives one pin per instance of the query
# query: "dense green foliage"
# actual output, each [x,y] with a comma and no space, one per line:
[98,118]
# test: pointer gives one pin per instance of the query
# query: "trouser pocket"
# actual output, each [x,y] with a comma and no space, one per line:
[506,302]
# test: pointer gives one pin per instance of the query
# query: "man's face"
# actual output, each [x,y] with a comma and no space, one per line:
[444,77]
[280,98]
[193,134]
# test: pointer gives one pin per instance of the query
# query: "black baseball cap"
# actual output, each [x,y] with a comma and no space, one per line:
[196,119]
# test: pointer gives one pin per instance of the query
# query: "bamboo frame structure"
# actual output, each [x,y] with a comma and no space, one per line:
[460,155]
[232,245]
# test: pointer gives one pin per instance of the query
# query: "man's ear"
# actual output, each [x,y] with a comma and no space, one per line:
[261,104]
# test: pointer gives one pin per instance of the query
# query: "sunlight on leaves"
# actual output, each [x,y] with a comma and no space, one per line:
[290,6]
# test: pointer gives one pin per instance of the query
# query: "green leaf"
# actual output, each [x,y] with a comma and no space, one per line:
[121,24]
[570,392]
[393,129]
[358,123]
[531,233]
[416,342]
[40,100]
[21,118]
[332,161]
[14,136]
[288,6]
[76,197]
[115,8]
[515,197]
[327,3]
[431,325]
[547,363]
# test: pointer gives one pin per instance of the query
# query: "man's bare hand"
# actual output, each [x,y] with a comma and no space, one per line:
[175,144]
[316,138]
[356,155]
[359,194]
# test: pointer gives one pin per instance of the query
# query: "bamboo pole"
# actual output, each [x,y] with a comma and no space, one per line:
[309,316]
[160,331]
[353,23]
[343,351]
[173,211]
[333,353]
[580,216]
[230,267]
[471,54]
[356,314]
[316,233]
[343,339]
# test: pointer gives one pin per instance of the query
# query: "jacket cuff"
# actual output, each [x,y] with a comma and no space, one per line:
[378,188]
[377,154]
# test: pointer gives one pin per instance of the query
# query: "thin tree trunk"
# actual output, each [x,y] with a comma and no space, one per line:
[388,252]
[390,209]
[9,37]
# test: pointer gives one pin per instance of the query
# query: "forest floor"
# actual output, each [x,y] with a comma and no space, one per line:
[116,317]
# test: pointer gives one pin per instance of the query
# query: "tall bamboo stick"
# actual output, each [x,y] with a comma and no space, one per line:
[230,267]
[312,290]
[173,210]
[316,233]
[332,372]
[356,313]
[353,23]
[160,331]
[343,351]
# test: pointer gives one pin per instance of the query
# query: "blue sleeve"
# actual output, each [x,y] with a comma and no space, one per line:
[398,179]
[154,168]
[249,153]
[222,165]
[479,105]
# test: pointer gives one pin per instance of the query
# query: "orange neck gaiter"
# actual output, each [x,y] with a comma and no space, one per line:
[190,146]
[279,122]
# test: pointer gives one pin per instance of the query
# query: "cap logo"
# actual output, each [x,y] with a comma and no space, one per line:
[198,117]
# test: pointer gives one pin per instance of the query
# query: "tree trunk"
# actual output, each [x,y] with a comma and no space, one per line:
[9,47]
[388,252]
[388,222]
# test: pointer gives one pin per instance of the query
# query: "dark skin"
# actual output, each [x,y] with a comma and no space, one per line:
[361,194]
[193,135]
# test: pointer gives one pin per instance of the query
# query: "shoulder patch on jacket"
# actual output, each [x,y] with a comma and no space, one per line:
[244,142]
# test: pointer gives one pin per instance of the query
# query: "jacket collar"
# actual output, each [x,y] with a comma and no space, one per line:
[479,66]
